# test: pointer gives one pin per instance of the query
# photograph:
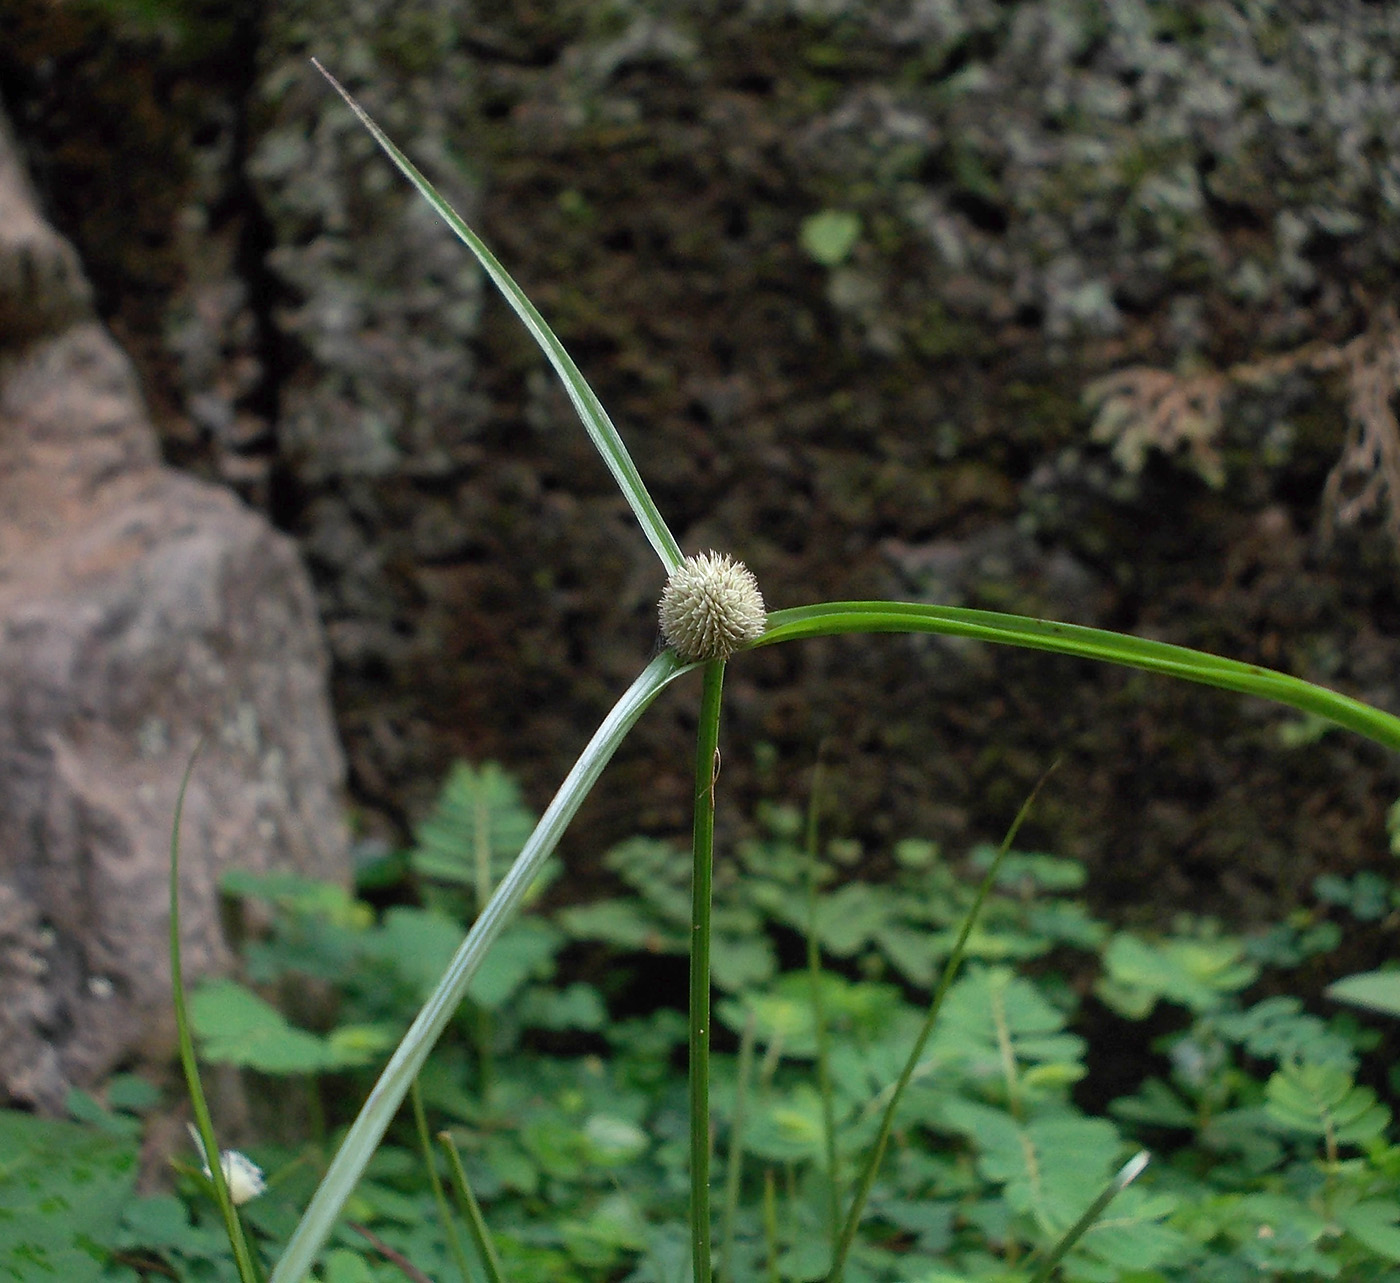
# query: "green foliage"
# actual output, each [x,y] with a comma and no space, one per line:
[1272,1159]
[475,830]
[1374,990]
[1194,973]
[1323,1101]
[236,1027]
[62,1190]
[830,235]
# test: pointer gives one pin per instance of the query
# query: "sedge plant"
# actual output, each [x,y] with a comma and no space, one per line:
[711,611]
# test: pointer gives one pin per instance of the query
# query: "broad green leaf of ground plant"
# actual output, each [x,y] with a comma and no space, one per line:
[1374,990]
[160,1229]
[600,1241]
[578,1007]
[787,1127]
[1279,1029]
[1275,1236]
[1374,1223]
[1155,1104]
[298,896]
[996,1023]
[1368,896]
[525,949]
[1025,872]
[1133,1236]
[476,828]
[236,1027]
[1197,974]
[416,943]
[624,924]
[784,1019]
[657,919]
[1324,1101]
[1051,1168]
[829,236]
[62,1190]
[847,918]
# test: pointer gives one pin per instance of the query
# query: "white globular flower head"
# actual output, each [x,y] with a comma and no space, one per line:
[711,607]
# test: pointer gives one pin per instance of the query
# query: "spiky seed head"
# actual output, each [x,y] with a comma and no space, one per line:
[711,607]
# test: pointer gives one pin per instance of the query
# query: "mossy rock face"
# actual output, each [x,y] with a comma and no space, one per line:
[1041,194]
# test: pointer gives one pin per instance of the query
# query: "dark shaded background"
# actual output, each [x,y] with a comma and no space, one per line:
[1048,193]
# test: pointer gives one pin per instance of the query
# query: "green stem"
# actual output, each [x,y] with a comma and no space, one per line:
[471,1211]
[479,1017]
[770,1224]
[204,1123]
[425,1146]
[703,851]
[814,971]
[1128,1173]
[743,1072]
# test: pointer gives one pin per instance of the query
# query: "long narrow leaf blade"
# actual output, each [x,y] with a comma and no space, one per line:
[388,1093]
[911,1062]
[1127,1174]
[830,618]
[590,410]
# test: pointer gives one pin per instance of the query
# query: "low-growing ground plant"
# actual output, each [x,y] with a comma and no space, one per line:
[563,1086]
[900,1105]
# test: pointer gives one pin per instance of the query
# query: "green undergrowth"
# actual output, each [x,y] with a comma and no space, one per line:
[562,1081]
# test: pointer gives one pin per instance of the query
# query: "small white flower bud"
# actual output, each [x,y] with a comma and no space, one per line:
[711,607]
[243,1177]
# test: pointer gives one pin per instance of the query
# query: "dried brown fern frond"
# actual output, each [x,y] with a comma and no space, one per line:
[1140,409]
[1365,480]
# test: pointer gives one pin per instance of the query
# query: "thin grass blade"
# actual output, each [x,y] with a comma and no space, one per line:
[743,1073]
[204,1123]
[425,1148]
[590,410]
[823,1038]
[1127,1174]
[388,1093]
[471,1212]
[945,982]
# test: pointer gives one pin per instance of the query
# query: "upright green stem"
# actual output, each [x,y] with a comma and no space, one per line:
[481,1022]
[743,1073]
[814,971]
[425,1148]
[204,1124]
[703,849]
[471,1212]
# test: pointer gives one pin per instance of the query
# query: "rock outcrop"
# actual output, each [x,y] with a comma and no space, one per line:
[141,613]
